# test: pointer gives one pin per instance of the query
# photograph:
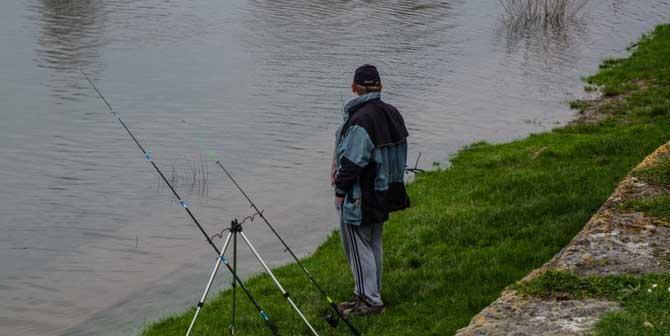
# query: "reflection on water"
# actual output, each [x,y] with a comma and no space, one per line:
[69,39]
[70,33]
[90,243]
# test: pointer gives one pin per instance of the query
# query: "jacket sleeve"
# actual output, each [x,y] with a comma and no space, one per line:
[356,151]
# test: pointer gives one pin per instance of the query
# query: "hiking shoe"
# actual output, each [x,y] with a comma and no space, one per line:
[364,308]
[351,303]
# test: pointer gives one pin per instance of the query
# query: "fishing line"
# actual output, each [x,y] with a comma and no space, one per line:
[184,204]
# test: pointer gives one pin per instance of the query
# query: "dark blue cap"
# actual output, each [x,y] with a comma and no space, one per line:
[367,75]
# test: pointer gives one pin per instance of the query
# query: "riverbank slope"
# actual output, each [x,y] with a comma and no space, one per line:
[497,213]
[613,277]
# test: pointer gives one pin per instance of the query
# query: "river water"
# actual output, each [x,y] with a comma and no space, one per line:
[92,243]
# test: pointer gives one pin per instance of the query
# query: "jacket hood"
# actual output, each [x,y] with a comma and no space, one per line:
[359,101]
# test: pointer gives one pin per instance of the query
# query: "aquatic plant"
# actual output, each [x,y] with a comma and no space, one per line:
[190,175]
[523,14]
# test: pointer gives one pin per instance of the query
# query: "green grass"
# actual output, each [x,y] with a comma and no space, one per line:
[657,174]
[645,299]
[498,212]
[658,207]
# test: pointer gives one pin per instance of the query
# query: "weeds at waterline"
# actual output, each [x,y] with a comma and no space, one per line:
[524,14]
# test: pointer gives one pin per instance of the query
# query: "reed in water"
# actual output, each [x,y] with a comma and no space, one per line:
[523,14]
[191,175]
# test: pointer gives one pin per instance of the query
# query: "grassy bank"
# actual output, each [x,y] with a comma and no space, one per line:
[498,212]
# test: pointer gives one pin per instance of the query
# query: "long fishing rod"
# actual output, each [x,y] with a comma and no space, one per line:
[259,212]
[147,156]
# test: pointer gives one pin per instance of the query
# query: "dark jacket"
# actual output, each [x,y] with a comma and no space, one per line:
[371,156]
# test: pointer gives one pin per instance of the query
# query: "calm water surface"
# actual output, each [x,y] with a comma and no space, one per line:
[91,242]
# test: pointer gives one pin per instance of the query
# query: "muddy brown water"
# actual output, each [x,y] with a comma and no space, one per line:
[91,241]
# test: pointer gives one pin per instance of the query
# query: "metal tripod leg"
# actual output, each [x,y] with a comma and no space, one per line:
[209,283]
[234,230]
[274,279]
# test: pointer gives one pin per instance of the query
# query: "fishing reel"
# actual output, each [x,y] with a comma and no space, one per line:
[416,169]
[332,320]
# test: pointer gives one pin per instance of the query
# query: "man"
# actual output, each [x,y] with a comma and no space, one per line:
[368,175]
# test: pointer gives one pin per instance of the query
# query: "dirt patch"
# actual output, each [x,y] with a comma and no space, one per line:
[512,315]
[599,106]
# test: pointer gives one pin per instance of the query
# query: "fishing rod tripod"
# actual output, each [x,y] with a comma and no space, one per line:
[234,231]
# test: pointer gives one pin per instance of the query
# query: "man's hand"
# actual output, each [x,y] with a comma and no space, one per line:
[338,201]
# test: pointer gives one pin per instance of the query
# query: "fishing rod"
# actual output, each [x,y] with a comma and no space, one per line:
[416,168]
[147,156]
[331,321]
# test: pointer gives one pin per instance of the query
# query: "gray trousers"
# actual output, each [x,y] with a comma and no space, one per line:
[363,247]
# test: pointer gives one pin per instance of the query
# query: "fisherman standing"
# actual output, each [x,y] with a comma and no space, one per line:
[368,175]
